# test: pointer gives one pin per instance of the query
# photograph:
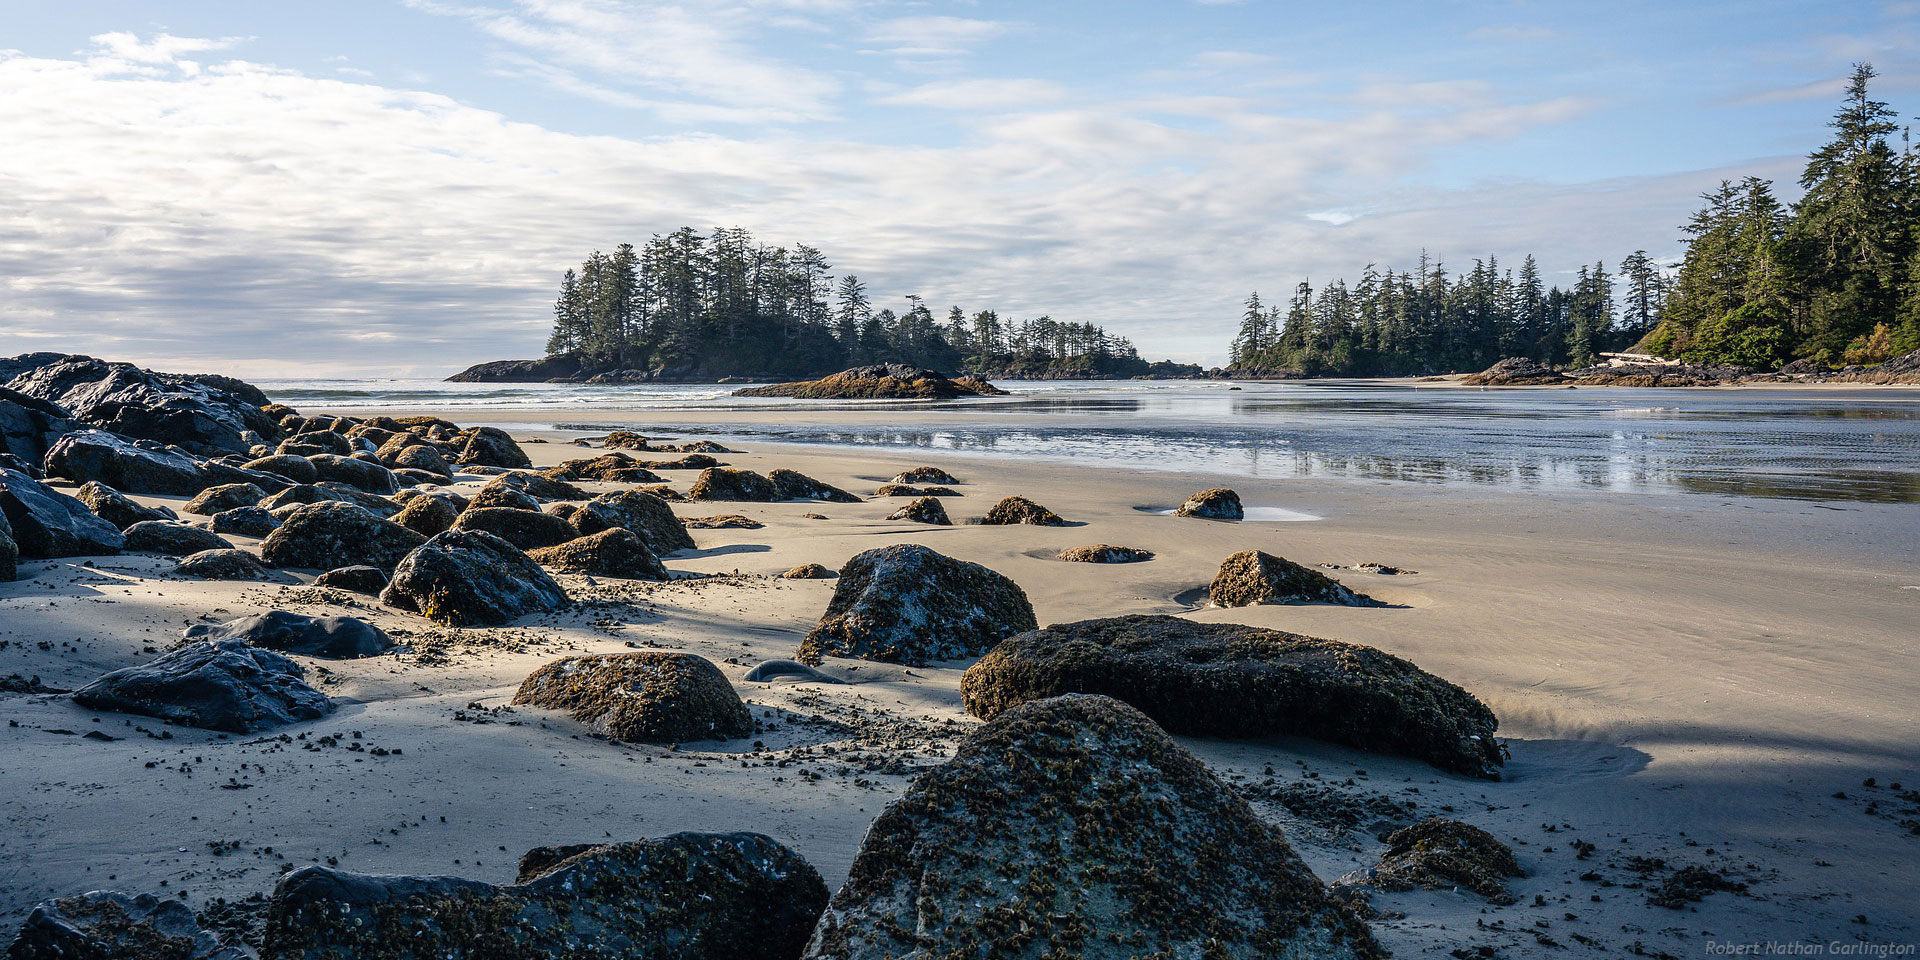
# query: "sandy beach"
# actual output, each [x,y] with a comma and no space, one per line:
[1689,679]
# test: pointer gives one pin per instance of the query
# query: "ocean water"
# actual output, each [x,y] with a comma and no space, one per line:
[1816,445]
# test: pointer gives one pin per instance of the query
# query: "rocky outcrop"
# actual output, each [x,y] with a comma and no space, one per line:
[1442,854]
[690,896]
[647,697]
[793,485]
[923,510]
[722,483]
[925,475]
[646,516]
[1217,503]
[526,529]
[115,507]
[885,381]
[170,538]
[48,524]
[519,371]
[205,415]
[224,496]
[1251,577]
[94,455]
[1013,510]
[908,604]
[1229,680]
[29,425]
[609,553]
[1516,372]
[227,564]
[107,925]
[1074,827]
[354,579]
[492,447]
[327,638]
[471,578]
[329,534]
[1105,553]
[226,685]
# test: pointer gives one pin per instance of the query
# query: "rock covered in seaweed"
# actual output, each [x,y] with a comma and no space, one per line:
[794,485]
[1104,553]
[725,483]
[923,510]
[809,571]
[1216,503]
[492,447]
[356,579]
[227,685]
[1075,827]
[1441,854]
[645,515]
[880,381]
[645,697]
[246,522]
[333,533]
[428,515]
[171,538]
[924,474]
[615,552]
[1230,680]
[1516,372]
[690,896]
[108,925]
[526,529]
[471,578]
[224,564]
[1252,576]
[1014,510]
[909,604]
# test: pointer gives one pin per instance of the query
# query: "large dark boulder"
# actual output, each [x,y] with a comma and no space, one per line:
[357,579]
[428,516]
[724,483]
[646,516]
[9,552]
[1252,576]
[1075,827]
[246,521]
[331,534]
[526,529]
[225,496]
[29,425]
[328,638]
[690,896]
[880,381]
[117,508]
[106,925]
[94,455]
[647,697]
[609,553]
[908,604]
[1215,503]
[226,685]
[492,447]
[227,564]
[617,468]
[170,538]
[205,415]
[471,578]
[295,469]
[924,474]
[794,485]
[48,524]
[363,474]
[1229,680]
[420,456]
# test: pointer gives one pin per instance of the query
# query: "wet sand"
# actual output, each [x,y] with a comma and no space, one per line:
[1679,677]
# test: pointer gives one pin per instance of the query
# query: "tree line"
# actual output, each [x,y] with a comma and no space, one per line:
[1834,278]
[688,305]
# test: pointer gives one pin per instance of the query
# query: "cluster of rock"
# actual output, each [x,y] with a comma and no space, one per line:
[882,381]
[722,483]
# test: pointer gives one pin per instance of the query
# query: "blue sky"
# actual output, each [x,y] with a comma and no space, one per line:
[392,187]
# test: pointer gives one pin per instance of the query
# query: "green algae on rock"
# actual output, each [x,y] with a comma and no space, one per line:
[1014,510]
[924,510]
[910,604]
[646,697]
[1075,827]
[471,578]
[615,552]
[1104,553]
[1441,854]
[1251,576]
[690,896]
[1230,680]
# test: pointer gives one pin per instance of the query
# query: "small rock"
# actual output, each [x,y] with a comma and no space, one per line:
[648,697]
[722,483]
[909,604]
[1105,553]
[809,571]
[117,508]
[357,579]
[246,522]
[1251,577]
[609,553]
[1015,510]
[925,475]
[225,496]
[171,538]
[923,510]
[228,564]
[1218,503]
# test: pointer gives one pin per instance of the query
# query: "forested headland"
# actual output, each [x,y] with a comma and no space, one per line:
[1833,278]
[689,305]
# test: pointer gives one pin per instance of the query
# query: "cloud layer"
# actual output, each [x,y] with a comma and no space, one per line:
[162,203]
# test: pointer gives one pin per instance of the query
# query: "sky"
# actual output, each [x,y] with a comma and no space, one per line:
[393,187]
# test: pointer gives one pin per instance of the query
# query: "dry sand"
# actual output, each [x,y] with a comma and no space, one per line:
[1682,677]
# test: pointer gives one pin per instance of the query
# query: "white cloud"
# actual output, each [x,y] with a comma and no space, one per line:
[977,94]
[933,36]
[262,221]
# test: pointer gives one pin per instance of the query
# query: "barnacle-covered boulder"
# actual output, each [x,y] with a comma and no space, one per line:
[1013,510]
[428,515]
[1441,854]
[526,529]
[223,564]
[471,578]
[171,538]
[1252,576]
[615,552]
[794,485]
[332,534]
[224,496]
[108,925]
[923,510]
[492,447]
[1216,503]
[117,508]
[690,896]
[908,604]
[1104,553]
[1229,680]
[328,638]
[645,515]
[1075,827]
[724,483]
[924,475]
[646,697]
